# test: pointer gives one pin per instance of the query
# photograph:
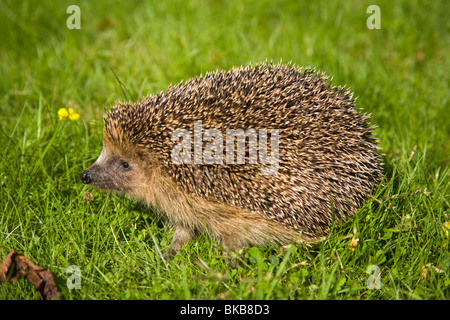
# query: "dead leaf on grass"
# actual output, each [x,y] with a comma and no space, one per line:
[15,265]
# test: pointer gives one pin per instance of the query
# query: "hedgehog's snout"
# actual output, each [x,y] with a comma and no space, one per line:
[86,177]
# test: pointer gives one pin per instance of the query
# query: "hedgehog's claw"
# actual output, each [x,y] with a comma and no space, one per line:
[181,237]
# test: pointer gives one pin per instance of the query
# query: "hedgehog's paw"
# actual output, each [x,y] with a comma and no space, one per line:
[180,238]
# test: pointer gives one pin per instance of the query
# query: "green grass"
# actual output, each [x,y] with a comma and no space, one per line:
[400,74]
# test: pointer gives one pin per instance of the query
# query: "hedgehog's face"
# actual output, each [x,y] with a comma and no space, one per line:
[113,172]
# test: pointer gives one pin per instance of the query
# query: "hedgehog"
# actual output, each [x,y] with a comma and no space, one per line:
[265,154]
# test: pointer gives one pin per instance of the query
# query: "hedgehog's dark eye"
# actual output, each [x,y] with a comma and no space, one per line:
[124,165]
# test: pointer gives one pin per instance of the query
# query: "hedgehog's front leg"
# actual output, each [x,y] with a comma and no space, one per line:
[181,237]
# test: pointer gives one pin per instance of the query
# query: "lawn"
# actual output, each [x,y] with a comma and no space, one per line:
[126,50]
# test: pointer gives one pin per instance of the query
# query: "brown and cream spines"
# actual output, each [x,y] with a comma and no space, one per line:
[327,162]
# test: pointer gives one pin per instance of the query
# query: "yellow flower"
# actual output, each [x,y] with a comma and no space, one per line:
[63,113]
[73,115]
[353,243]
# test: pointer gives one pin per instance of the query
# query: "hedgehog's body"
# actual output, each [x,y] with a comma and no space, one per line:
[328,160]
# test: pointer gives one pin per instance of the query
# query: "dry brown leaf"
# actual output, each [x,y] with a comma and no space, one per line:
[15,265]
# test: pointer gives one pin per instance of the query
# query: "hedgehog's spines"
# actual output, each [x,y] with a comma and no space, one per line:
[327,148]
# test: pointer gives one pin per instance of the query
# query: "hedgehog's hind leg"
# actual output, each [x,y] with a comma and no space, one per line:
[181,237]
